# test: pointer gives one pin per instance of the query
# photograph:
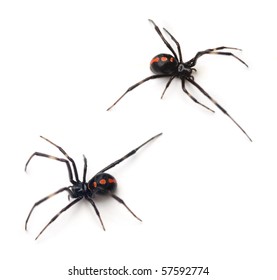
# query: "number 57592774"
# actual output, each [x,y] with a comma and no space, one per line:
[182,270]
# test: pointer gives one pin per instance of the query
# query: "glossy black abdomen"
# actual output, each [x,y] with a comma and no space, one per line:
[163,64]
[102,183]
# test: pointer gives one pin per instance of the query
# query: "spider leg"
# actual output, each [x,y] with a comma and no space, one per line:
[163,38]
[66,155]
[45,198]
[85,169]
[96,211]
[217,105]
[167,85]
[193,61]
[136,85]
[192,97]
[128,155]
[177,44]
[55,158]
[57,215]
[122,202]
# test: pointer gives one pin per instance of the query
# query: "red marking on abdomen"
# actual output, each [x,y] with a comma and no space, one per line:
[103,182]
[155,59]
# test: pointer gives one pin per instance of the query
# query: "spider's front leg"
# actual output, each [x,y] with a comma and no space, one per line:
[218,106]
[193,61]
[70,174]
[58,214]
[192,97]
[67,189]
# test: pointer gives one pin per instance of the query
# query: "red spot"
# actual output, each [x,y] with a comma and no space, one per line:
[164,58]
[95,184]
[103,182]
[111,180]
[155,59]
[171,59]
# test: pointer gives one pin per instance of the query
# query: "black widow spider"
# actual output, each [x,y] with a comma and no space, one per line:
[102,183]
[166,65]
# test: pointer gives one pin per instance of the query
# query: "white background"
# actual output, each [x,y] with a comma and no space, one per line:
[206,195]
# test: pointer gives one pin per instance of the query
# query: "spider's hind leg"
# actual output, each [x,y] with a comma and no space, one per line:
[122,202]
